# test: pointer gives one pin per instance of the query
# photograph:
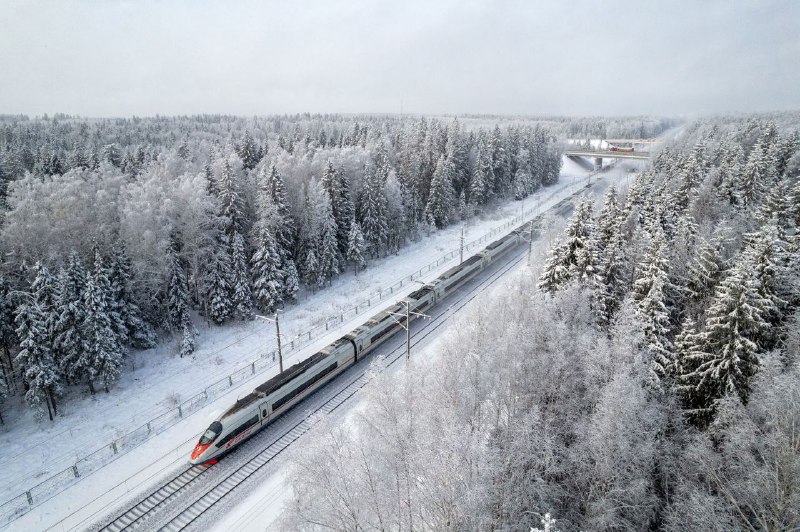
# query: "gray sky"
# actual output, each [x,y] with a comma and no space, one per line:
[118,58]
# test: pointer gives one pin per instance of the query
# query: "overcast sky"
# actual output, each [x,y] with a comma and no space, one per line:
[119,58]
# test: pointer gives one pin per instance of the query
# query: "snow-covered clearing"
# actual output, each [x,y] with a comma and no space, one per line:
[160,380]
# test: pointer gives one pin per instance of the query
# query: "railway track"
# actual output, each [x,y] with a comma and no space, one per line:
[289,429]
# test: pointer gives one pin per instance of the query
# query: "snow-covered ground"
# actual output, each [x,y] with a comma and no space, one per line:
[160,380]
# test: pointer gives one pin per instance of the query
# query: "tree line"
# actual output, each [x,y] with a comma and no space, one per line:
[158,221]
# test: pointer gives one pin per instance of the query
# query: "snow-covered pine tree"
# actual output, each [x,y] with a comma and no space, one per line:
[440,199]
[291,280]
[102,343]
[267,275]
[766,254]
[188,334]
[71,314]
[329,258]
[726,355]
[654,316]
[654,264]
[607,221]
[311,269]
[608,289]
[218,284]
[8,336]
[555,274]
[44,290]
[579,258]
[482,175]
[242,294]
[522,184]
[345,211]
[355,246]
[177,286]
[755,178]
[373,206]
[35,358]
[136,331]
[705,273]
[230,201]
[248,152]
[500,163]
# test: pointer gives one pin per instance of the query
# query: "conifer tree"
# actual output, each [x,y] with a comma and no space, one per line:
[8,335]
[329,258]
[555,274]
[68,341]
[178,299]
[267,275]
[607,221]
[311,269]
[705,273]
[355,246]
[134,330]
[608,289]
[654,316]
[440,200]
[579,258]
[35,358]
[726,354]
[345,211]
[242,295]
[218,284]
[291,280]
[654,264]
[101,341]
[373,207]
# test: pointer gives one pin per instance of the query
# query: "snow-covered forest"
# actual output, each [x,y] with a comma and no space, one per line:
[119,232]
[647,376]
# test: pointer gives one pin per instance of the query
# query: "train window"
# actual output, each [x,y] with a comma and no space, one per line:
[241,428]
[211,433]
[264,413]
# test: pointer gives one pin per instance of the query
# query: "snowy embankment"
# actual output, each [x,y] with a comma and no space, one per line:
[160,379]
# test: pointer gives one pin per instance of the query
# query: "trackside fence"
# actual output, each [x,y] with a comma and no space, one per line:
[21,504]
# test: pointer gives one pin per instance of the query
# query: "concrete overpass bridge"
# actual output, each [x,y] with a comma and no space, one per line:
[609,149]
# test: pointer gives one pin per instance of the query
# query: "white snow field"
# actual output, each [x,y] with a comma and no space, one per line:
[160,381]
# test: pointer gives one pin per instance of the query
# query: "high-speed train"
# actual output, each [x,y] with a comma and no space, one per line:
[283,391]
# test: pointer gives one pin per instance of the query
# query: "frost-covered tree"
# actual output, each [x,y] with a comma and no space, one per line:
[654,316]
[102,343]
[267,273]
[355,247]
[440,201]
[71,315]
[8,336]
[218,283]
[35,358]
[373,206]
[242,295]
[178,302]
[329,258]
[311,269]
[705,273]
[136,331]
[555,274]
[726,353]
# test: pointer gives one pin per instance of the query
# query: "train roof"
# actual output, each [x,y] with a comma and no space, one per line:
[499,241]
[455,269]
[263,390]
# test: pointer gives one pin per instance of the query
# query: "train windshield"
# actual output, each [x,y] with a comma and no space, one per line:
[211,433]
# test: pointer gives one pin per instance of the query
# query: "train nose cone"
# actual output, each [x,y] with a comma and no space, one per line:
[198,450]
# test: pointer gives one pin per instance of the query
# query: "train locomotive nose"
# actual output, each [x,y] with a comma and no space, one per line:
[198,452]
